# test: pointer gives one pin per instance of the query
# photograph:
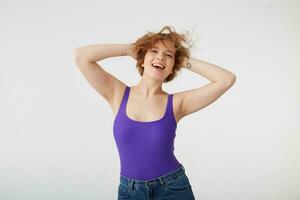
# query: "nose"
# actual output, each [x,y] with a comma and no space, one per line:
[159,57]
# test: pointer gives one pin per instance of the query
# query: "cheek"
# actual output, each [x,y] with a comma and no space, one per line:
[171,69]
[172,63]
[147,59]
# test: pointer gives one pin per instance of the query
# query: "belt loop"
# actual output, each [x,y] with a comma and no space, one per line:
[146,184]
[131,184]
[161,180]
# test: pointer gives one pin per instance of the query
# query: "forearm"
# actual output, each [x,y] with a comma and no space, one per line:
[96,52]
[210,71]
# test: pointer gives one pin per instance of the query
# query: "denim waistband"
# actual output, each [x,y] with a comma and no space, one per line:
[169,177]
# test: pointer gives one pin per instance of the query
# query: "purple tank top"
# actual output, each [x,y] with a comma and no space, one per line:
[146,149]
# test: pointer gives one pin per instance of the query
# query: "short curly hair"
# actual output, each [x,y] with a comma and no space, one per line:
[147,41]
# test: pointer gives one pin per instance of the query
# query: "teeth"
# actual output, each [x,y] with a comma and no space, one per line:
[160,66]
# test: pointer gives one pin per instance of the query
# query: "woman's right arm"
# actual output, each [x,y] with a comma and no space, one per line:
[103,82]
[96,52]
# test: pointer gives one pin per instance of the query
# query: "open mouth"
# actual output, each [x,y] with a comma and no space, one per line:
[158,67]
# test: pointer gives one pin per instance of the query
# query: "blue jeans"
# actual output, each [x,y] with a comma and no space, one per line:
[172,186]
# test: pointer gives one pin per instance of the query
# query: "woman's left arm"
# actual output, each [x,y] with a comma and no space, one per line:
[195,99]
[210,71]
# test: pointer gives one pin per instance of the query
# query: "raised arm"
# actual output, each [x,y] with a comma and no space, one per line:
[195,99]
[103,82]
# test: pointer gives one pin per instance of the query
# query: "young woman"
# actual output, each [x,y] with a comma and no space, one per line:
[146,117]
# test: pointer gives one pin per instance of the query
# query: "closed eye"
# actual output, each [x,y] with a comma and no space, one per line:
[170,55]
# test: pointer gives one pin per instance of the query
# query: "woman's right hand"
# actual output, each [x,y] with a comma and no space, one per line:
[130,52]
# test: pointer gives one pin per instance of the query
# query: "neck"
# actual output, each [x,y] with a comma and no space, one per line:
[149,88]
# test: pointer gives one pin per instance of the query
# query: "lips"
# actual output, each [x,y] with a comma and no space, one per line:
[158,66]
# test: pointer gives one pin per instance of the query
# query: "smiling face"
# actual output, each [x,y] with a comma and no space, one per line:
[160,59]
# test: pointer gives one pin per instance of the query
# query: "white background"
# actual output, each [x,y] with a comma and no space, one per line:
[56,139]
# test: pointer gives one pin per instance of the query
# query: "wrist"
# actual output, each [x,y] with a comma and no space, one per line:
[126,50]
[185,62]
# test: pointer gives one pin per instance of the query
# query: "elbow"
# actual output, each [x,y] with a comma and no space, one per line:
[230,80]
[76,54]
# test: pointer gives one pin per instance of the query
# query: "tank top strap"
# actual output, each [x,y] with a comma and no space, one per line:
[170,106]
[124,100]
[169,102]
